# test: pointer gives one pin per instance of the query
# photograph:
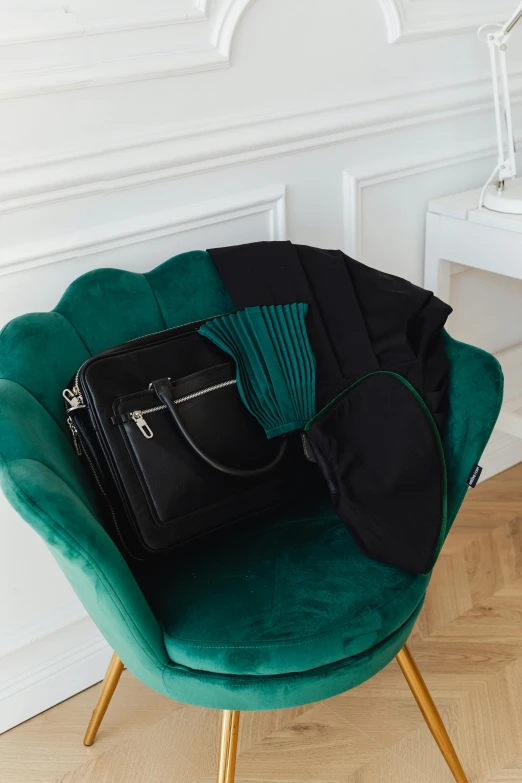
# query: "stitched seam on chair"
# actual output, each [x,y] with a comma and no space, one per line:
[291,676]
[15,383]
[55,310]
[71,324]
[156,300]
[90,562]
[27,390]
[282,643]
[163,673]
[21,386]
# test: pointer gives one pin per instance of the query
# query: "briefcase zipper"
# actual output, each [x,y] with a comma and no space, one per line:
[82,452]
[75,436]
[138,415]
[75,398]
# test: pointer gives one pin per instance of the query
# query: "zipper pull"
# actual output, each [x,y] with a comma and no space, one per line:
[144,428]
[72,399]
[75,437]
[309,454]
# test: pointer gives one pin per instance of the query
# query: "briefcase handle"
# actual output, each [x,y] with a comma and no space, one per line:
[164,392]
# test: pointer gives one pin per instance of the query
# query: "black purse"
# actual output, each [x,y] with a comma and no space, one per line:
[173,451]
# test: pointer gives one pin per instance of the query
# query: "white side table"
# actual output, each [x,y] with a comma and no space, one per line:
[457,232]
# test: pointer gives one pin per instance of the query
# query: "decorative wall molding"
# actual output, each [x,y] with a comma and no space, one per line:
[49,662]
[269,200]
[355,182]
[18,27]
[229,15]
[408,20]
[203,146]
[117,55]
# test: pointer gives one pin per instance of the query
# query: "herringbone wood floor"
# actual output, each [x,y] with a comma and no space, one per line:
[467,642]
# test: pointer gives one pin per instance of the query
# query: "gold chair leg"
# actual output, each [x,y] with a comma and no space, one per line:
[109,684]
[430,713]
[228,748]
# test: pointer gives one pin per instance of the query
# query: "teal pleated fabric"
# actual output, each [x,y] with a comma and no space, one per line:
[275,363]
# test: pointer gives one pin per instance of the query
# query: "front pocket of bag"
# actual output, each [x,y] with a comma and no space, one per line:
[176,482]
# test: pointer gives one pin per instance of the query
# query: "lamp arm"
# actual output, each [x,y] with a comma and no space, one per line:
[498,109]
[508,27]
[510,136]
[497,37]
[506,164]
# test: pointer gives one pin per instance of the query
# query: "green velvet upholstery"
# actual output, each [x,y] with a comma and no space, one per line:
[274,614]
[265,609]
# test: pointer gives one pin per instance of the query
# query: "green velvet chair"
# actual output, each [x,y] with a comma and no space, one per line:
[272,615]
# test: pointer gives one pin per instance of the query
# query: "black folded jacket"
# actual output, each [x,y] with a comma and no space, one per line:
[381,388]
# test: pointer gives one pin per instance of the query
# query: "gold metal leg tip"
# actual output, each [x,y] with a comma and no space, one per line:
[430,713]
[108,687]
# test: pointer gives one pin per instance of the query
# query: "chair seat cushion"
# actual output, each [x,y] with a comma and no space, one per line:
[288,592]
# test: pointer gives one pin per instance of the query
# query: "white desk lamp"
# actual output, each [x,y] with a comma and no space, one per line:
[506,194]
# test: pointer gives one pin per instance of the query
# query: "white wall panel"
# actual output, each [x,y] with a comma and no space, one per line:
[285,58]
[47,49]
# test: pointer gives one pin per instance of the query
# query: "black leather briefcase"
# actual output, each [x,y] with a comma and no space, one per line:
[172,450]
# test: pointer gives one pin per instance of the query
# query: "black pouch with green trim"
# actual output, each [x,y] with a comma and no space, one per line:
[381,454]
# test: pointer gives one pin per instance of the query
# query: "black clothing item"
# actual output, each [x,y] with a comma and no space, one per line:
[376,444]
[378,451]
[359,319]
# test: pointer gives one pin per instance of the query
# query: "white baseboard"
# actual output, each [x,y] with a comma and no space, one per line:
[503,452]
[48,668]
